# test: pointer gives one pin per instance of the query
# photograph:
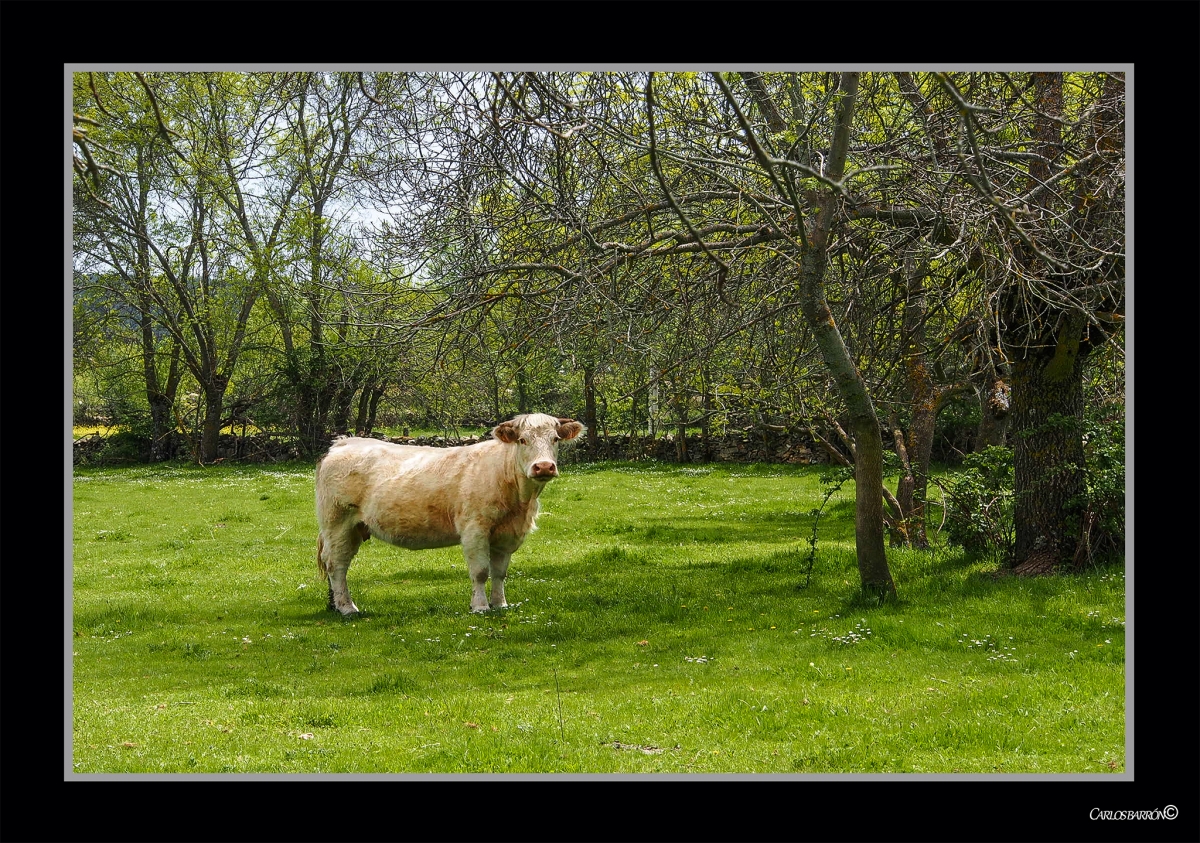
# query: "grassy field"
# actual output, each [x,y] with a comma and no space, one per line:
[661,625]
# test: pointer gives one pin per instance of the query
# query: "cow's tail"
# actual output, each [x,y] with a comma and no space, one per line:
[320,561]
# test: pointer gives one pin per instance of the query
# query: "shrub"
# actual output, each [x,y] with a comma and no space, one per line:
[979,502]
[1104,510]
[979,497]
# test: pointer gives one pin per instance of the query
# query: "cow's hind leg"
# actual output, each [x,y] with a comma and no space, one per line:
[336,548]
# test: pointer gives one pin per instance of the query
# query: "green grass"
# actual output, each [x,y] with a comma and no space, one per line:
[659,626]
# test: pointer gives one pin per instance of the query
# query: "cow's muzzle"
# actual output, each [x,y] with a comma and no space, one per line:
[543,471]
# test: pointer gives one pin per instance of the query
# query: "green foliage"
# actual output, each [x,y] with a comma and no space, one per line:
[657,628]
[471,302]
[979,502]
[979,496]
[1104,518]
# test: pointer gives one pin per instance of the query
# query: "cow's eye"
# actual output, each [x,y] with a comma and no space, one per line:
[523,441]
[554,439]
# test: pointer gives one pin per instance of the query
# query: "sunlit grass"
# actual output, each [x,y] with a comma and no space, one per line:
[660,624]
[81,430]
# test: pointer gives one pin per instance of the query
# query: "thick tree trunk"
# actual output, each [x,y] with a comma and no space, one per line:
[309,416]
[368,403]
[1047,391]
[161,396]
[314,399]
[920,453]
[873,568]
[905,487]
[1048,457]
[652,402]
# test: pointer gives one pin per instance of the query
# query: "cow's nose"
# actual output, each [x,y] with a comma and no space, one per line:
[544,470]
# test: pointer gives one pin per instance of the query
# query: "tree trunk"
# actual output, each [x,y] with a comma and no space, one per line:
[312,399]
[652,402]
[589,404]
[495,383]
[1047,389]
[994,405]
[373,409]
[904,490]
[1048,457]
[875,576]
[864,426]
[343,400]
[522,393]
[360,418]
[162,422]
[924,397]
[161,397]
[210,430]
[873,570]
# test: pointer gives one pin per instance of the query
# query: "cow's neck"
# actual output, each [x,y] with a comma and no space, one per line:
[528,490]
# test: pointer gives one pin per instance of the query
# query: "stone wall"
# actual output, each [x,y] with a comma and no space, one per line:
[748,445]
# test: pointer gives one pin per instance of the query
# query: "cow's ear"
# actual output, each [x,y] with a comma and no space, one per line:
[506,432]
[568,428]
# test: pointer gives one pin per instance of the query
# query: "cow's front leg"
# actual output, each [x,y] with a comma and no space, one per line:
[478,557]
[335,556]
[499,570]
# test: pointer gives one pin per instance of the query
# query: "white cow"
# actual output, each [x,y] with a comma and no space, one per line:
[482,496]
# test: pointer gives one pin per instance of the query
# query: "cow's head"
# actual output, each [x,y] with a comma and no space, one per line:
[536,437]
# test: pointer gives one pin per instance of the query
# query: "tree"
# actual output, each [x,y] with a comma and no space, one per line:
[1058,276]
[868,444]
[194,240]
[325,362]
[676,174]
[110,235]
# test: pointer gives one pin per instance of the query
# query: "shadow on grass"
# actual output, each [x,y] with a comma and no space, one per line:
[782,527]
[672,469]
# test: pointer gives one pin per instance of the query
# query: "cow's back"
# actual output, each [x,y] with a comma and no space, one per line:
[413,496]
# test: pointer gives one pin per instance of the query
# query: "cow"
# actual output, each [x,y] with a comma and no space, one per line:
[482,496]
